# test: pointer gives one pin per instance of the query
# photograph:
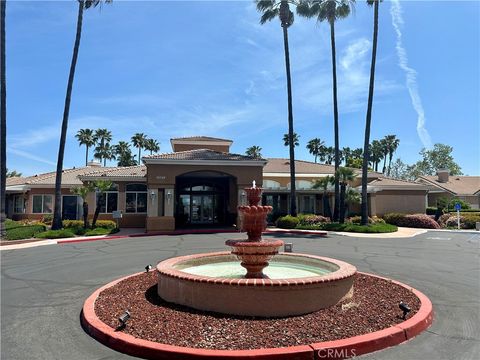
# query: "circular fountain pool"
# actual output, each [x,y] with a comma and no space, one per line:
[296,284]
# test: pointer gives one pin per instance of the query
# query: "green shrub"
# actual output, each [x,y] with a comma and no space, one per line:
[9,223]
[106,224]
[474,211]
[287,222]
[55,234]
[23,231]
[372,228]
[394,218]
[421,221]
[97,231]
[67,224]
[467,221]
[432,210]
[47,219]
[312,219]
[371,220]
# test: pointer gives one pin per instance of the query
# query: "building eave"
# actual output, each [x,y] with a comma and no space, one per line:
[206,162]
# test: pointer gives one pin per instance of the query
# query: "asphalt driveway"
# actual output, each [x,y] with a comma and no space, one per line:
[43,288]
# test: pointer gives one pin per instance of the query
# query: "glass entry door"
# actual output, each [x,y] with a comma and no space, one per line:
[69,207]
[202,209]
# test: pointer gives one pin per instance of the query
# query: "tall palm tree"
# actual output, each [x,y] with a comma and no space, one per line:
[57,214]
[366,150]
[138,141]
[330,11]
[152,145]
[385,146]
[286,139]
[344,176]
[101,137]
[105,152]
[315,146]
[323,184]
[271,9]
[254,151]
[3,120]
[347,154]
[86,137]
[124,154]
[329,155]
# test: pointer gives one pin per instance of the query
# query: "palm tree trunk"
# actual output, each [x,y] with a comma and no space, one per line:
[3,120]
[390,156]
[364,220]
[342,202]
[384,163]
[139,152]
[335,117]
[57,215]
[293,202]
[86,156]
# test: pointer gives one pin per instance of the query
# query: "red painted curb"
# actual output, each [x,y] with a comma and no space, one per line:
[338,349]
[297,232]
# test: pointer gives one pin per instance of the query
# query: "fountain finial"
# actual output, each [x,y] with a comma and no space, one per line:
[254,184]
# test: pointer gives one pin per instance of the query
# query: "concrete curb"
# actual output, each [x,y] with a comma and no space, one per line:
[338,349]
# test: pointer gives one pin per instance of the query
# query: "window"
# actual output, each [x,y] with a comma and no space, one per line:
[136,198]
[42,204]
[18,204]
[270,184]
[108,200]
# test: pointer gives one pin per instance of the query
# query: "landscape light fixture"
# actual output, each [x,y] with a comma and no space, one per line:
[148,267]
[123,319]
[405,308]
[288,247]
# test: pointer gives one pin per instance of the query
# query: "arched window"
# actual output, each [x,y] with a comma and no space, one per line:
[303,184]
[271,184]
[136,198]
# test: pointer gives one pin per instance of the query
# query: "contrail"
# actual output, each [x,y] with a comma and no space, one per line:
[411,74]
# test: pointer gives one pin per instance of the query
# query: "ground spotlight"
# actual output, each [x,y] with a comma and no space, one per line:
[405,308]
[123,319]
[148,267]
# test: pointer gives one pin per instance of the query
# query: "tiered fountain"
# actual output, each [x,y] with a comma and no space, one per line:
[254,253]
[284,285]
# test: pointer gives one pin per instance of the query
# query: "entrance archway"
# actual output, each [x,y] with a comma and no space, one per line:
[203,199]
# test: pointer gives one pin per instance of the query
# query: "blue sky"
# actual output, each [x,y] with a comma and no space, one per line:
[172,69]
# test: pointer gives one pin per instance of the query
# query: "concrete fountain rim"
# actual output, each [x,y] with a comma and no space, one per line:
[353,346]
[345,270]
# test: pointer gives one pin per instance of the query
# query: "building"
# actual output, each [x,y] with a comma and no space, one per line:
[199,184]
[444,185]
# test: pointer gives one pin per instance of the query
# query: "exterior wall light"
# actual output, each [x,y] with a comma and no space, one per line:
[169,196]
[152,195]
[244,197]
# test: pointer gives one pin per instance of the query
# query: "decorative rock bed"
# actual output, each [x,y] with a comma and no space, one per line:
[369,321]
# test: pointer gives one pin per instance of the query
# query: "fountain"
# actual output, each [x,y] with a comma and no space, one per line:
[275,285]
[254,252]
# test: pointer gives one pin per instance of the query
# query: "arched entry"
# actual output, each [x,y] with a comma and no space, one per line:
[203,198]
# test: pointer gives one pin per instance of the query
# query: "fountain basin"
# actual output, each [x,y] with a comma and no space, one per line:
[215,282]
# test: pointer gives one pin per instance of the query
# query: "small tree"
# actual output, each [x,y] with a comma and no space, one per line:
[352,197]
[323,184]
[100,187]
[83,192]
[344,176]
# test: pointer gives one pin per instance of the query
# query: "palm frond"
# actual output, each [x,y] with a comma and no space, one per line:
[268,15]
[264,5]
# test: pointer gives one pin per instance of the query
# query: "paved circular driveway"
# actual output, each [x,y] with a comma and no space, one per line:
[43,288]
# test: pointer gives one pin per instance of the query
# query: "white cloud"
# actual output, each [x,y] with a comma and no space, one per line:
[411,75]
[30,156]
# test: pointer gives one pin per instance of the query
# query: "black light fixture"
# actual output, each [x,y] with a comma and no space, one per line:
[123,319]
[148,267]
[405,308]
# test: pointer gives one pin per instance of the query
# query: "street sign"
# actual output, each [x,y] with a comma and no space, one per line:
[458,207]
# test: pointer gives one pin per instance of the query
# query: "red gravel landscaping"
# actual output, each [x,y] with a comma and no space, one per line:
[374,306]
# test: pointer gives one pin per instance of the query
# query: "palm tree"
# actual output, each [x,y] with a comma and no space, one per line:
[13,173]
[254,151]
[124,154]
[323,184]
[101,137]
[331,11]
[384,145]
[351,197]
[152,145]
[83,192]
[366,150]
[100,187]
[347,154]
[57,214]
[315,146]
[393,144]
[3,120]
[138,140]
[344,176]
[85,137]
[375,153]
[329,155]
[286,139]
[105,152]
[271,9]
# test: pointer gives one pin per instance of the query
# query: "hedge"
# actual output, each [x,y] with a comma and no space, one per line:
[24,231]
[373,228]
[415,221]
[55,234]
[371,220]
[287,222]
